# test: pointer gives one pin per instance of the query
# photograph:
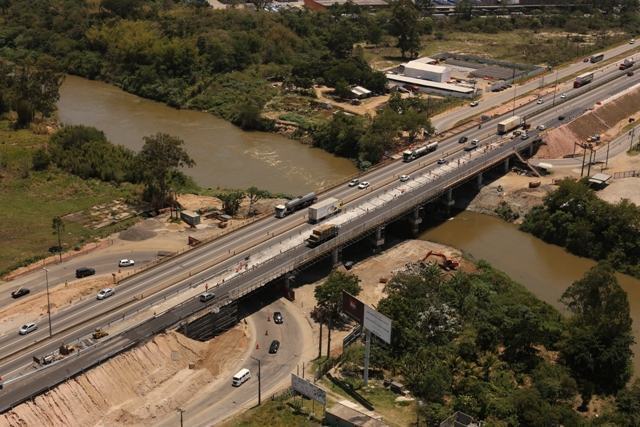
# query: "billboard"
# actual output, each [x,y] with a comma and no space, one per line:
[308,389]
[353,307]
[377,323]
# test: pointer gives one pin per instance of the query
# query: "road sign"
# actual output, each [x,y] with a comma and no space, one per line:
[308,389]
[378,324]
[353,307]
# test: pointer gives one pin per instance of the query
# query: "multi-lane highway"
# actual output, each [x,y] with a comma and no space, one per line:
[250,247]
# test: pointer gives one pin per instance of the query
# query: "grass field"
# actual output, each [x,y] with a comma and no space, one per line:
[31,199]
[279,413]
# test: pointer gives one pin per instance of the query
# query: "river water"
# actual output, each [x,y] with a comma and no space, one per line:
[226,156]
[546,270]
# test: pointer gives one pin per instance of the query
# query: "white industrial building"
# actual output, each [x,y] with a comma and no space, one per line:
[435,88]
[420,70]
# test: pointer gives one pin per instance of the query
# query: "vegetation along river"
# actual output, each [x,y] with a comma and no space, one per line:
[225,155]
[546,270]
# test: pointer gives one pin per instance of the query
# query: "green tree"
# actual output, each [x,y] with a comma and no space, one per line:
[464,10]
[231,201]
[40,159]
[329,294]
[58,227]
[404,25]
[340,135]
[255,194]
[597,343]
[159,159]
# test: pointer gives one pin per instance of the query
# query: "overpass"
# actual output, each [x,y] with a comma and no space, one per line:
[272,248]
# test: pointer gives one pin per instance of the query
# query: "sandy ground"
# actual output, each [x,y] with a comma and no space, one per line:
[137,387]
[370,271]
[368,106]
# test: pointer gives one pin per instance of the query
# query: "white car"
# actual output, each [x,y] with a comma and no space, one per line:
[474,104]
[563,96]
[27,328]
[475,141]
[541,127]
[404,178]
[354,182]
[632,41]
[540,101]
[126,263]
[105,293]
[363,185]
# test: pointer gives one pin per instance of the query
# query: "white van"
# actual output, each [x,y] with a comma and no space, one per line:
[241,377]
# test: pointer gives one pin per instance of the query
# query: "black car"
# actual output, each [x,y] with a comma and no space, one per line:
[560,118]
[277,317]
[84,272]
[462,140]
[273,348]
[19,292]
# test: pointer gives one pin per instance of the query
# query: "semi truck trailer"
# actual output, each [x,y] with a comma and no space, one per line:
[324,209]
[296,204]
[321,234]
[410,155]
[627,63]
[583,79]
[509,124]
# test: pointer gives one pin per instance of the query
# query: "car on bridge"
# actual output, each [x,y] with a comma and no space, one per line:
[20,292]
[27,328]
[363,185]
[105,293]
[442,161]
[273,348]
[404,178]
[207,296]
[126,263]
[462,139]
[354,182]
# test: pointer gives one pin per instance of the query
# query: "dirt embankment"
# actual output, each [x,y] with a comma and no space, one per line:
[136,388]
[605,119]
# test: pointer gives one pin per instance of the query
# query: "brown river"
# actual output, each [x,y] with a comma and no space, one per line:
[226,156]
[546,270]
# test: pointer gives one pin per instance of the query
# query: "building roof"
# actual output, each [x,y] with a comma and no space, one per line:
[427,83]
[354,417]
[419,65]
[370,3]
[600,178]
[360,91]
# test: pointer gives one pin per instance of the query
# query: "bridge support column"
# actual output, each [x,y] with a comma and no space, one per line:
[416,220]
[378,238]
[335,256]
[506,165]
[531,150]
[288,281]
[479,181]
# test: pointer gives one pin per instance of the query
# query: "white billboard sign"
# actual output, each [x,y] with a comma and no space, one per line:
[308,389]
[377,323]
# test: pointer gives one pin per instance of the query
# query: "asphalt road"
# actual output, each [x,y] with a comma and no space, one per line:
[445,121]
[220,259]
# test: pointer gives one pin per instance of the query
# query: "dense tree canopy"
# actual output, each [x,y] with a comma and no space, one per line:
[329,294]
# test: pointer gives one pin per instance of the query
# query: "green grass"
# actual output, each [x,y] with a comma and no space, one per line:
[279,413]
[31,199]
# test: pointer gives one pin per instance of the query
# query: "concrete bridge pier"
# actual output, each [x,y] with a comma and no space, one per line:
[378,238]
[416,220]
[530,151]
[288,282]
[335,256]
[506,165]
[479,179]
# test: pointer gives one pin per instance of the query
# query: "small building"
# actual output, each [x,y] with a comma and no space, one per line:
[435,88]
[599,180]
[360,92]
[425,71]
[190,217]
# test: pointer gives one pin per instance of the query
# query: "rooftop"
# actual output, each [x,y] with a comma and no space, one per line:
[419,65]
[428,83]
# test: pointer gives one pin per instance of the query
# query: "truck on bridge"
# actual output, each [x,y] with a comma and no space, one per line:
[296,204]
[321,234]
[410,155]
[583,79]
[509,124]
[627,63]
[324,209]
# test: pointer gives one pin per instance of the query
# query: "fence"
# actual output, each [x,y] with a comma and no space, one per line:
[626,174]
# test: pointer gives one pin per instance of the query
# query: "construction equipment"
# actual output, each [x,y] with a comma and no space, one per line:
[99,333]
[446,264]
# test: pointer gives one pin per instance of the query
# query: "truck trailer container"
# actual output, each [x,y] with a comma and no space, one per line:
[583,79]
[321,234]
[324,209]
[596,58]
[296,204]
[509,124]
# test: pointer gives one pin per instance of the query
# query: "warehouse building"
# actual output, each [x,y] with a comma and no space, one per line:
[434,88]
[423,70]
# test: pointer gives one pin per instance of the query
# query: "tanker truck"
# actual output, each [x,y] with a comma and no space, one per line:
[293,205]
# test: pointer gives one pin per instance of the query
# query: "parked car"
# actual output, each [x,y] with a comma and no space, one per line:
[84,272]
[126,263]
[354,182]
[363,185]
[27,328]
[462,139]
[273,348]
[19,292]
[277,318]
[105,293]
[404,178]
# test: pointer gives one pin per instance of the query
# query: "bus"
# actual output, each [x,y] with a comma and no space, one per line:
[596,58]
[583,79]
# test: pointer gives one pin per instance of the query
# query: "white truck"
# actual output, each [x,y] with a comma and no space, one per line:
[509,124]
[324,209]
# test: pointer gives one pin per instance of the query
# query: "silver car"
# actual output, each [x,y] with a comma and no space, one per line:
[105,293]
[27,328]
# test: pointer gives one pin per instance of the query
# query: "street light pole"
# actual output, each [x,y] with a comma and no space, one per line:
[181,412]
[259,381]
[46,275]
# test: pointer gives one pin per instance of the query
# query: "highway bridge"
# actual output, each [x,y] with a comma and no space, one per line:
[236,264]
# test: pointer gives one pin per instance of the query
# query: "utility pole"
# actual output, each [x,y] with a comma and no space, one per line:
[181,412]
[46,275]
[329,338]
[584,155]
[591,155]
[606,160]
[367,351]
[259,381]
[320,341]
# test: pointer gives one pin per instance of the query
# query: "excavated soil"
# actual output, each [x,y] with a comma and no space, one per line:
[138,387]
